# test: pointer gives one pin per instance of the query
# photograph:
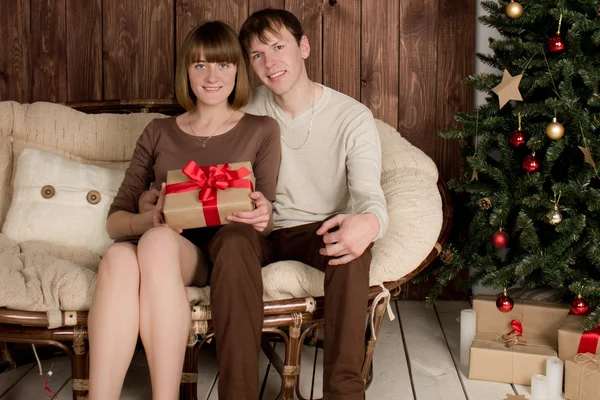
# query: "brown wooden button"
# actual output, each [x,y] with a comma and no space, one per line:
[93,197]
[48,191]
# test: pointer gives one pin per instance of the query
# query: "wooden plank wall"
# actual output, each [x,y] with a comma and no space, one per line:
[404,59]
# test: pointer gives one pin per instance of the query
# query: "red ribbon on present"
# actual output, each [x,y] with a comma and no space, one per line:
[517,327]
[514,337]
[589,341]
[209,179]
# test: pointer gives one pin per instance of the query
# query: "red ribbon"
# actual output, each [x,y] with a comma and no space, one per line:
[209,179]
[589,341]
[517,327]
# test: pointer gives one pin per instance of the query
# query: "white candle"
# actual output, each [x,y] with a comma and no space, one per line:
[467,334]
[554,373]
[539,387]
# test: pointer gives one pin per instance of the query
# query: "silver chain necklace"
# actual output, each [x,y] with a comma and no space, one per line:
[203,142]
[312,115]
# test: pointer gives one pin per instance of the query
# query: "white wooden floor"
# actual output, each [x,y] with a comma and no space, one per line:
[417,357]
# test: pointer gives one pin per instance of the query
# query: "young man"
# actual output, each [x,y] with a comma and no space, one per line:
[329,209]
[329,204]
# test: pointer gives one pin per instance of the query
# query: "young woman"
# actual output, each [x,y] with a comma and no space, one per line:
[143,275]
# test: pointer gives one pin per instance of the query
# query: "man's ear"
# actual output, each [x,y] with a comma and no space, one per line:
[304,47]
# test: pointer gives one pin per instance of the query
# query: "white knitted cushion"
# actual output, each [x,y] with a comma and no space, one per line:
[68,217]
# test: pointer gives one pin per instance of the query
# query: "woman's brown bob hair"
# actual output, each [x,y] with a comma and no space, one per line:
[219,43]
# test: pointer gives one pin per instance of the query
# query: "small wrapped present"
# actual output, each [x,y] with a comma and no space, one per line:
[511,347]
[573,340]
[582,377]
[205,196]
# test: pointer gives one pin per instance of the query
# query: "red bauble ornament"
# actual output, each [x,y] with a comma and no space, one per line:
[530,164]
[517,138]
[579,305]
[556,44]
[504,303]
[500,239]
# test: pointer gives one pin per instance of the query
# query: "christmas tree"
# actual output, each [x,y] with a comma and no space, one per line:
[531,181]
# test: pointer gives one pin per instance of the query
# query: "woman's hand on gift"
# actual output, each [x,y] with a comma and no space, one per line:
[148,200]
[261,218]
[157,213]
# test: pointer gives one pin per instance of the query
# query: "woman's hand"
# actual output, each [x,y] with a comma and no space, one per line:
[260,218]
[157,214]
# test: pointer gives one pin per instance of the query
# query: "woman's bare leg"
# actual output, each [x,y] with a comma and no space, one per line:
[113,321]
[168,262]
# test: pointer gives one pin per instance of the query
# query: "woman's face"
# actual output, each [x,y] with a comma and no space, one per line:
[212,83]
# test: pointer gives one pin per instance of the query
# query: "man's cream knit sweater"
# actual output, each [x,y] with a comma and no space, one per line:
[337,170]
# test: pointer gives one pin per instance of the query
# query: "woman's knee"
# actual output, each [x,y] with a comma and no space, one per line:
[155,246]
[119,264]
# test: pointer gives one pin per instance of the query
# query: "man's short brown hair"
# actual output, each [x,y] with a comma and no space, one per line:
[219,43]
[269,20]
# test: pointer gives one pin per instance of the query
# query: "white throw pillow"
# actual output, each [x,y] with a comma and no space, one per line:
[61,201]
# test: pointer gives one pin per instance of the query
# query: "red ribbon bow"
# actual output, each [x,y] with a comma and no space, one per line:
[209,179]
[517,327]
[589,341]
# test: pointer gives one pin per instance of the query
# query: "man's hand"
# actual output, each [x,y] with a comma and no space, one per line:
[356,232]
[259,218]
[157,212]
[148,200]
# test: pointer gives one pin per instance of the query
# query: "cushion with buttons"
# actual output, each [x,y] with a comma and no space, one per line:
[61,201]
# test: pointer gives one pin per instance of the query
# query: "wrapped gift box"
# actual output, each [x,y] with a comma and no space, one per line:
[571,337]
[492,360]
[199,196]
[582,377]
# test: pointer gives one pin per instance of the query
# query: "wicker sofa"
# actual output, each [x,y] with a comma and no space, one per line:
[46,287]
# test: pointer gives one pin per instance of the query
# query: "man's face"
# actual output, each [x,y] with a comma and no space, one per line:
[279,63]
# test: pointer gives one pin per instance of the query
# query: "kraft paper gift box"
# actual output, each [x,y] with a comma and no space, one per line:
[573,340]
[492,360]
[582,377]
[200,196]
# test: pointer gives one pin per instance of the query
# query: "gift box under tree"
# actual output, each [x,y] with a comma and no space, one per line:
[511,347]
[582,377]
[200,196]
[572,339]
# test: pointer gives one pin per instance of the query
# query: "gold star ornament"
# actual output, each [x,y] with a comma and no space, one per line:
[516,397]
[508,89]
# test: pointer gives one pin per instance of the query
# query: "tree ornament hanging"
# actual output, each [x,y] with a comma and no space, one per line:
[555,130]
[484,204]
[554,216]
[517,138]
[447,256]
[530,164]
[556,43]
[500,239]
[514,10]
[579,305]
[508,88]
[505,303]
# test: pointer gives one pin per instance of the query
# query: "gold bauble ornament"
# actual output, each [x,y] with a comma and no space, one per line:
[554,217]
[514,10]
[555,130]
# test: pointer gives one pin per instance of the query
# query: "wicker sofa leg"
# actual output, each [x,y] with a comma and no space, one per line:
[7,360]
[291,368]
[79,364]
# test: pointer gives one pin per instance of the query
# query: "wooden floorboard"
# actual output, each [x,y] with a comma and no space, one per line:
[433,372]
[391,377]
[416,359]
[31,385]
